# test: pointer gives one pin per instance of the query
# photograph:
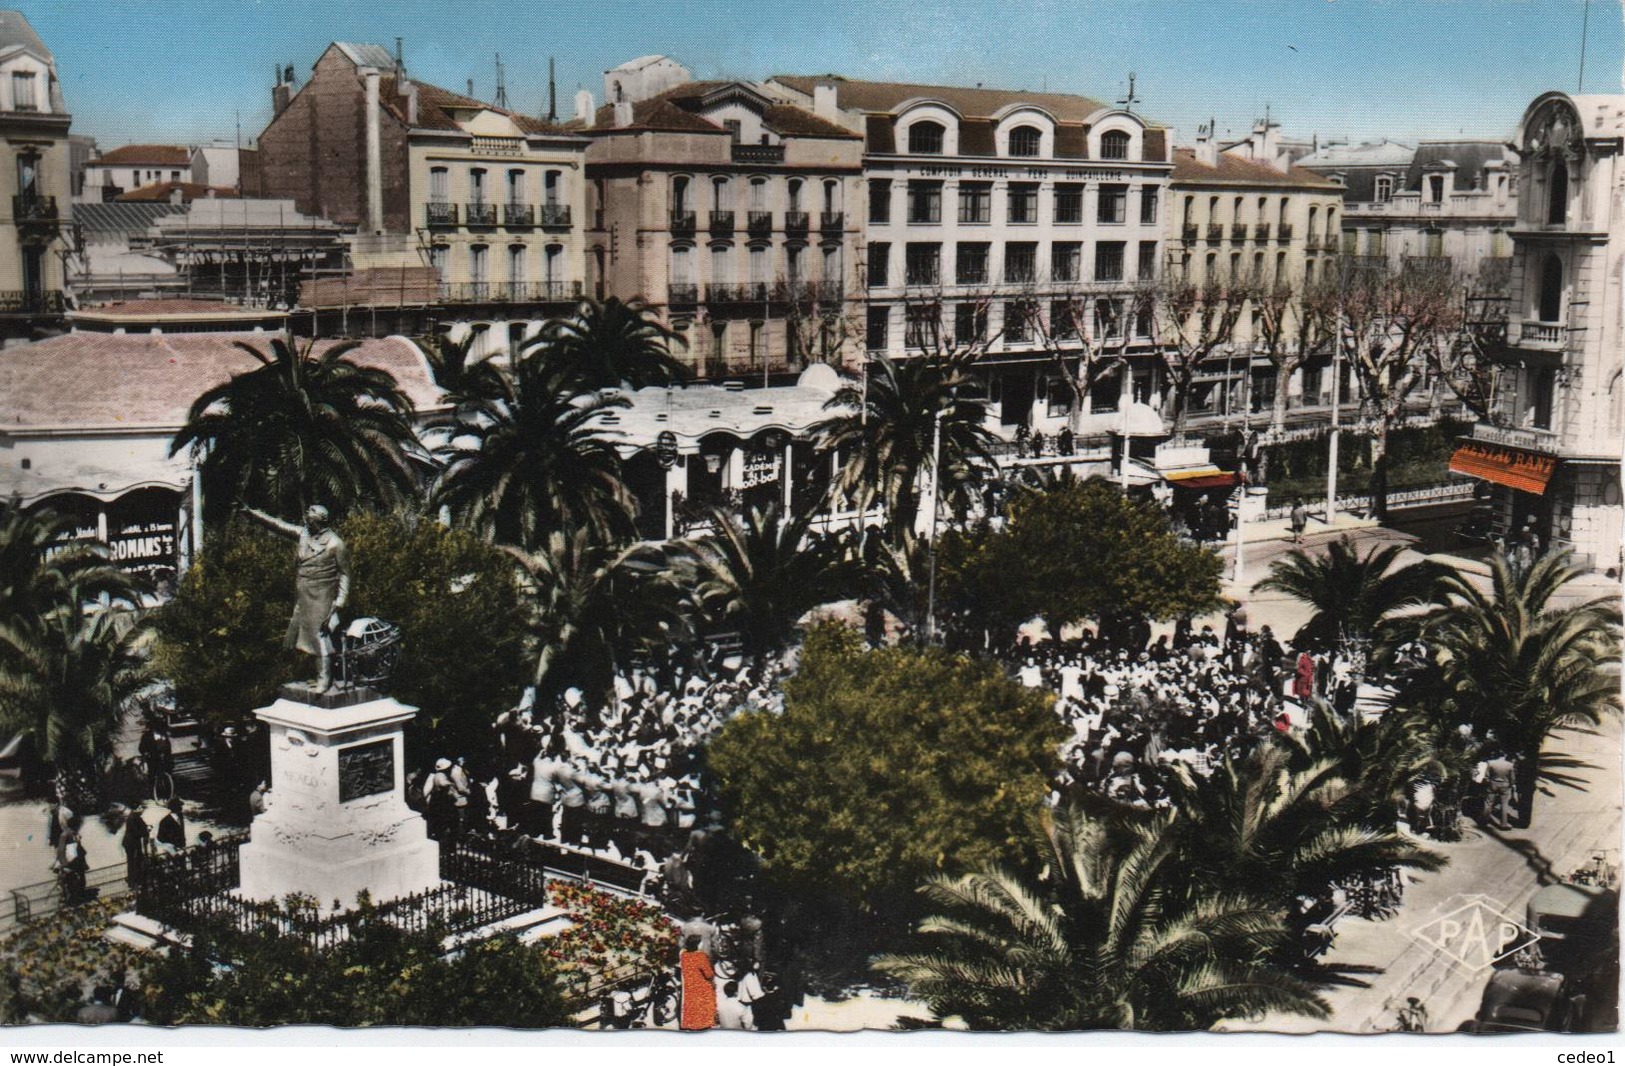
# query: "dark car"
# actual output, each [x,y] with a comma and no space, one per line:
[1478,526]
[1529,1001]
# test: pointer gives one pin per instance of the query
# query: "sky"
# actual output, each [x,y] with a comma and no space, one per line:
[187,71]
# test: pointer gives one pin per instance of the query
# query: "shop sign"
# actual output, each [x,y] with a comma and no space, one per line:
[761,468]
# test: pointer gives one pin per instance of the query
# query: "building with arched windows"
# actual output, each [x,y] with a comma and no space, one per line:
[1017,225]
[730,212]
[1551,451]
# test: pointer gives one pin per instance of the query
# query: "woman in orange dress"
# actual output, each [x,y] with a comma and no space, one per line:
[699,993]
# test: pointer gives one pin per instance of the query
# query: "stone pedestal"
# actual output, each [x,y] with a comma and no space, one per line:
[338,822]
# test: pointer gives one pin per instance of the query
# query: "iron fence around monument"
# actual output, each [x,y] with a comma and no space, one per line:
[196,890]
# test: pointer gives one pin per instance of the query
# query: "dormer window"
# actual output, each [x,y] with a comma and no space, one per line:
[1114,145]
[1384,190]
[1025,141]
[925,138]
[1436,188]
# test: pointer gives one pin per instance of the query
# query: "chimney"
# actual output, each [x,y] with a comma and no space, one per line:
[623,113]
[552,93]
[375,164]
[400,59]
[824,103]
[281,93]
[1207,148]
[584,108]
[409,101]
[177,195]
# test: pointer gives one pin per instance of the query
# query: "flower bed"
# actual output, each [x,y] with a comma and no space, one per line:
[609,937]
[50,966]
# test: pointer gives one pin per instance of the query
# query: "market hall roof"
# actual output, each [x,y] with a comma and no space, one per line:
[694,412]
[146,382]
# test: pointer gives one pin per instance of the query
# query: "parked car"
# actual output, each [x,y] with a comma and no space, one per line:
[1478,526]
[1529,1001]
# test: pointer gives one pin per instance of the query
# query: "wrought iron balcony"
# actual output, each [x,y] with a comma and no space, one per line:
[795,223]
[31,303]
[1311,243]
[758,153]
[34,210]
[683,293]
[831,221]
[682,223]
[440,214]
[810,292]
[750,293]
[518,215]
[481,214]
[759,223]
[1215,232]
[722,222]
[1261,231]
[555,214]
[1189,232]
[1238,231]
[509,292]
[1285,232]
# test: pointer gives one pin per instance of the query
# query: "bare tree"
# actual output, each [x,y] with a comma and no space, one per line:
[1465,356]
[1294,326]
[1197,319]
[1088,333]
[1392,324]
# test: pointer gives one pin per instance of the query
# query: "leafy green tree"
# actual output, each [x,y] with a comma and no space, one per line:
[1518,662]
[1080,550]
[1352,594]
[521,469]
[886,766]
[303,428]
[455,598]
[377,975]
[1097,942]
[762,573]
[886,428]
[612,344]
[67,680]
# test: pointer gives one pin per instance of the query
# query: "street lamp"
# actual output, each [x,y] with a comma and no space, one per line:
[931,526]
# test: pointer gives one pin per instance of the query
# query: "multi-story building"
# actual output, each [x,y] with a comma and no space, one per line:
[490,198]
[1440,205]
[132,166]
[35,181]
[1552,449]
[996,220]
[729,211]
[1248,215]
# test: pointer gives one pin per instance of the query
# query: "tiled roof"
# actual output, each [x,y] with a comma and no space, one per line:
[969,102]
[145,380]
[167,155]
[435,105]
[189,191]
[796,122]
[653,114]
[1234,169]
[673,111]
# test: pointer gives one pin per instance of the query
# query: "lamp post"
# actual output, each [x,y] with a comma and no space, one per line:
[931,528]
[1337,394]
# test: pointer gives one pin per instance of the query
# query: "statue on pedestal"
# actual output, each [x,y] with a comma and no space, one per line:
[321,590]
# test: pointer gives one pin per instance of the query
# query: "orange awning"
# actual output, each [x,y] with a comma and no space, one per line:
[1521,470]
[1221,480]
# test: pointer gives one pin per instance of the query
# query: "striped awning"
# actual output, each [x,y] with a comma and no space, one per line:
[1516,469]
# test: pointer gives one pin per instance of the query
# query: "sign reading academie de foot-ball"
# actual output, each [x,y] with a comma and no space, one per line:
[366,770]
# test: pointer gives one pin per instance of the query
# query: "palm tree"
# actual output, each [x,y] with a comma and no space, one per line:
[762,573]
[1259,826]
[67,681]
[469,382]
[521,469]
[887,426]
[42,569]
[1517,663]
[612,344]
[1352,595]
[303,429]
[595,606]
[1095,942]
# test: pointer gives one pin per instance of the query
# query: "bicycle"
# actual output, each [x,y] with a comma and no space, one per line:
[160,782]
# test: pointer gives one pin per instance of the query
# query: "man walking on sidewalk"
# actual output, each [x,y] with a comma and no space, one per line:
[1300,519]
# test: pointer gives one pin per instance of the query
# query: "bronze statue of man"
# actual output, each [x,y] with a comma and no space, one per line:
[321,590]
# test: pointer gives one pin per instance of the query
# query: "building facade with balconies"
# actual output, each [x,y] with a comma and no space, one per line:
[1442,205]
[1551,452]
[1248,215]
[1010,223]
[35,181]
[731,213]
[492,200]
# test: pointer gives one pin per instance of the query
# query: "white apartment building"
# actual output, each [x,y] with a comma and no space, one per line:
[1552,452]
[990,217]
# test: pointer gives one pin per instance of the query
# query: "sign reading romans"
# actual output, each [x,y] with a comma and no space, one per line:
[366,770]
